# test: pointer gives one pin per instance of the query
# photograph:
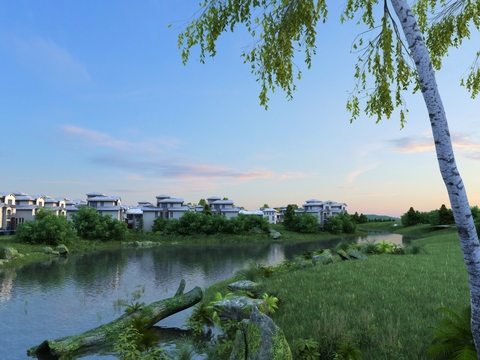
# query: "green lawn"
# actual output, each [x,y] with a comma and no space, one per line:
[386,303]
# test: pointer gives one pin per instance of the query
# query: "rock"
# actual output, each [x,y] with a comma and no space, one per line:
[246,285]
[237,308]
[324,258]
[47,250]
[355,254]
[343,255]
[62,249]
[55,252]
[2,262]
[274,234]
[256,230]
[8,253]
[258,338]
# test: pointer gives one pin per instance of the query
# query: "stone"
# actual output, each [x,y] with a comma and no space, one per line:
[246,285]
[259,338]
[47,250]
[62,249]
[8,253]
[238,308]
[274,234]
[323,258]
[355,254]
[343,255]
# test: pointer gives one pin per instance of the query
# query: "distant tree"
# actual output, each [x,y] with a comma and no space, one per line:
[92,225]
[225,198]
[445,216]
[356,218]
[289,216]
[304,223]
[334,225]
[363,219]
[202,202]
[411,217]
[207,210]
[265,206]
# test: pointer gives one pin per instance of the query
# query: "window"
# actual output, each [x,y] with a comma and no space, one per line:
[93,204]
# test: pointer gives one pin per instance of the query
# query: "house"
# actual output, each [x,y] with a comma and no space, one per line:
[271,215]
[7,210]
[25,208]
[106,205]
[322,210]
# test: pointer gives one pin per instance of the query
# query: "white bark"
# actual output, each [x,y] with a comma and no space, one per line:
[446,160]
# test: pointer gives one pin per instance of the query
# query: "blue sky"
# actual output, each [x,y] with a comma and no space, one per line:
[94,97]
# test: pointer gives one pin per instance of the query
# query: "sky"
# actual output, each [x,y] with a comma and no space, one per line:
[94,97]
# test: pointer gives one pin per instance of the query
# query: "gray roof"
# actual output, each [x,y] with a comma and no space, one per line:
[24,197]
[108,208]
[214,198]
[162,196]
[171,200]
[95,193]
[225,202]
[25,207]
[104,198]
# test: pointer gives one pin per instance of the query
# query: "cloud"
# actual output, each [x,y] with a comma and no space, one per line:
[463,145]
[64,182]
[99,139]
[47,58]
[293,175]
[353,175]
[147,159]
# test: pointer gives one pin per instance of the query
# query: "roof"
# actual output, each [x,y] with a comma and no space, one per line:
[24,197]
[25,207]
[171,200]
[95,193]
[162,196]
[214,198]
[313,200]
[220,202]
[269,209]
[135,211]
[104,198]
[108,208]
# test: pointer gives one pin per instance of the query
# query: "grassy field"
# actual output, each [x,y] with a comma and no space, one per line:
[386,303]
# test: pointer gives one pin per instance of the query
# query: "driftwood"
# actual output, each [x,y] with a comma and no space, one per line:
[103,335]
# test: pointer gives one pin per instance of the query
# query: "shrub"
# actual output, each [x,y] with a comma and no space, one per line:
[50,229]
[92,225]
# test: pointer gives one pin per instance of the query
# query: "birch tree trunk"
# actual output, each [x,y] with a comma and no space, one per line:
[446,160]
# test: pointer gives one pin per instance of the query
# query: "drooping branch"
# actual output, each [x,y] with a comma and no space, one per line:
[106,334]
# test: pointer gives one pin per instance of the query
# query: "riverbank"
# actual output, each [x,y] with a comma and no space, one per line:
[386,304]
[33,253]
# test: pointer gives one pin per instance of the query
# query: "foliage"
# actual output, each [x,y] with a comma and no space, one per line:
[306,349]
[90,224]
[453,336]
[49,229]
[289,216]
[129,347]
[334,225]
[411,217]
[348,351]
[304,223]
[194,223]
[271,302]
[185,349]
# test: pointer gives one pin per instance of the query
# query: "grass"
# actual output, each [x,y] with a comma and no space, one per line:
[386,304]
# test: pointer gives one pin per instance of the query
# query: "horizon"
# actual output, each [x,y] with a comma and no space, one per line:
[95,97]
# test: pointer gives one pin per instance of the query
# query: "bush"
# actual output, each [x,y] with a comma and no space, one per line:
[92,225]
[49,229]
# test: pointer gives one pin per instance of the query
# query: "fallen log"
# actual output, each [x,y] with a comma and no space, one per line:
[106,334]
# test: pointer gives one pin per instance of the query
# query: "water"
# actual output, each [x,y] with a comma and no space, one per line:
[67,296]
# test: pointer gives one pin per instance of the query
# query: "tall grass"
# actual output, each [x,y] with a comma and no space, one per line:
[386,303]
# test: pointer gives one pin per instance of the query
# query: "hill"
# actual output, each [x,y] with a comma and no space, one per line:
[381,217]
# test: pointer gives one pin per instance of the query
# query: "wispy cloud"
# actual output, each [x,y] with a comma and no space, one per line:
[293,175]
[463,145]
[151,159]
[353,175]
[47,58]
[64,182]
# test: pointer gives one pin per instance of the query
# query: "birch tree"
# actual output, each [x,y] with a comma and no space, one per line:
[396,60]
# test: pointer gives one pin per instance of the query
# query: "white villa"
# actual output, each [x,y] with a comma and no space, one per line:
[323,210]
[17,207]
